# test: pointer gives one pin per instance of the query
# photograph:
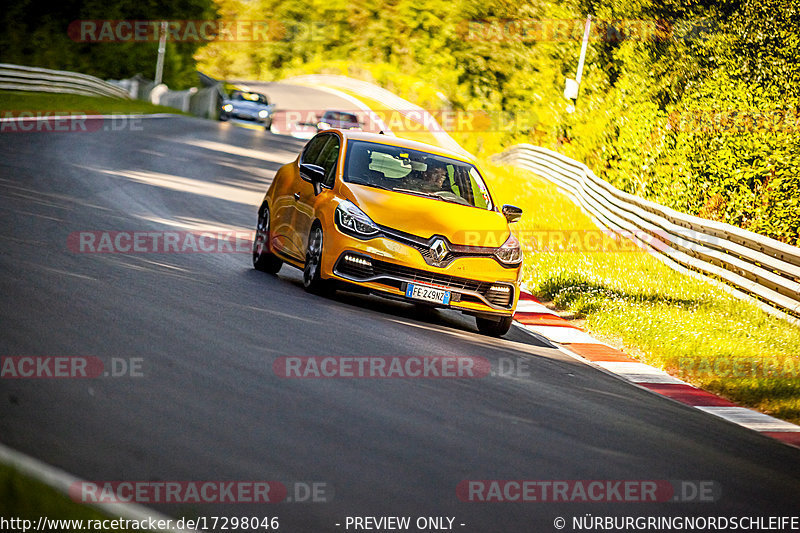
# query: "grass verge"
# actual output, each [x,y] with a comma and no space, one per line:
[27,499]
[628,298]
[15,102]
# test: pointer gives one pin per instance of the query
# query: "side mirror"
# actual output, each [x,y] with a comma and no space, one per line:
[312,173]
[512,212]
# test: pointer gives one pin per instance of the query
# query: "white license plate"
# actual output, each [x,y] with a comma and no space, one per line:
[427,293]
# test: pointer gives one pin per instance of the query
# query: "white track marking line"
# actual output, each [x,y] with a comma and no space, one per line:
[529,306]
[563,335]
[750,419]
[639,372]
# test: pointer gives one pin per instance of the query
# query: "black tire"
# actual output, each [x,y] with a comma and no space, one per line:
[312,280]
[268,125]
[492,327]
[263,259]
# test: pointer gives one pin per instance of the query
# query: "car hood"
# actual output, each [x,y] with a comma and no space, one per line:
[425,217]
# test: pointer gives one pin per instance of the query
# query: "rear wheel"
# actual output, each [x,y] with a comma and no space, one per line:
[312,280]
[263,259]
[494,327]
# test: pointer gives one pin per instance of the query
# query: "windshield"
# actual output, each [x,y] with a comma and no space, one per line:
[340,116]
[415,172]
[249,97]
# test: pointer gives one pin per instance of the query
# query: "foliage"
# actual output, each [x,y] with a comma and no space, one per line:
[36,33]
[683,111]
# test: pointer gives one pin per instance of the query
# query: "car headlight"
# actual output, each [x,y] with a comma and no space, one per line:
[263,113]
[510,253]
[353,221]
[227,107]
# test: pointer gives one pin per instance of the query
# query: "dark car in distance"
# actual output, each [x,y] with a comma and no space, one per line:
[340,120]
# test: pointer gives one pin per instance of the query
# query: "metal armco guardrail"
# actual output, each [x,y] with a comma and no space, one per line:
[752,267]
[21,78]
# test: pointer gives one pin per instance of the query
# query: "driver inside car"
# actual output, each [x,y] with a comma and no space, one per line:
[430,180]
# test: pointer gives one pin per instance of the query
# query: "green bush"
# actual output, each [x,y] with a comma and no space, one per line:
[36,33]
[676,115]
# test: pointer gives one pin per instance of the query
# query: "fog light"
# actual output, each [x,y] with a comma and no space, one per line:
[500,295]
[358,260]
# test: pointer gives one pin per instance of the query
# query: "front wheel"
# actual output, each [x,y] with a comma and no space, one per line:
[493,327]
[312,280]
[263,259]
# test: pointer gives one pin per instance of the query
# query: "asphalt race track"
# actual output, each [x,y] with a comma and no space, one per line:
[207,329]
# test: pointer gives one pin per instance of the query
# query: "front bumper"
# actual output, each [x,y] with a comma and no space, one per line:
[478,285]
[248,116]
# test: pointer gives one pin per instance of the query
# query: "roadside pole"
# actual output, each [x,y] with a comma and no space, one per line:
[162,48]
[572,87]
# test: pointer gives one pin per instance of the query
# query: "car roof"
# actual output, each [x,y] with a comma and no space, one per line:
[350,113]
[391,140]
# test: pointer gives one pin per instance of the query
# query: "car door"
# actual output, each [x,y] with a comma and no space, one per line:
[282,210]
[284,213]
[305,205]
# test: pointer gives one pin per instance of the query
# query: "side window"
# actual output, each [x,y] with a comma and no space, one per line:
[313,148]
[328,158]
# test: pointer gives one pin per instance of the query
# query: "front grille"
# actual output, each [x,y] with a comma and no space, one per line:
[363,268]
[422,276]
[423,246]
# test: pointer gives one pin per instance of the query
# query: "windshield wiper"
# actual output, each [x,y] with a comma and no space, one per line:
[455,200]
[419,193]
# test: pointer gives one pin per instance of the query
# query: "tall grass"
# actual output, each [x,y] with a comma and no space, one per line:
[675,322]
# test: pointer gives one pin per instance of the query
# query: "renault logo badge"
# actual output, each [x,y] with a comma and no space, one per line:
[439,250]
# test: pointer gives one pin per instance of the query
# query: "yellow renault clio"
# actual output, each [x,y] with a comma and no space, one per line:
[401,219]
